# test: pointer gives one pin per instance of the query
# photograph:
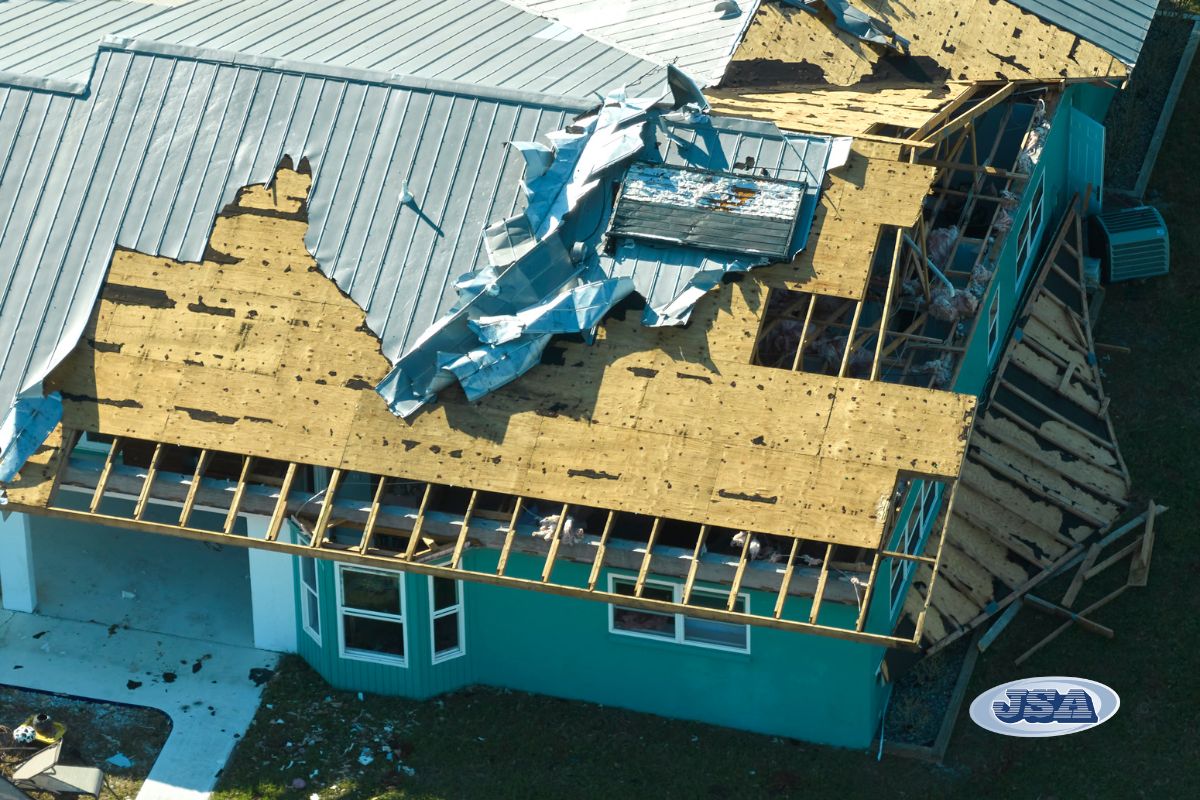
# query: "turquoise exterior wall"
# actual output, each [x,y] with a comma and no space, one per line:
[806,687]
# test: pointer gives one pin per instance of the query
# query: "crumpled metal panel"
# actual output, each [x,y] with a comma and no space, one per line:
[489,43]
[856,22]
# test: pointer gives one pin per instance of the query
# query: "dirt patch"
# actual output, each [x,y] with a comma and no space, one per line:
[922,696]
[95,732]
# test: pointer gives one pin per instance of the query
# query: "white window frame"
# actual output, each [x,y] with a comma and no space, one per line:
[1030,231]
[354,654]
[676,594]
[993,326]
[915,529]
[314,632]
[458,608]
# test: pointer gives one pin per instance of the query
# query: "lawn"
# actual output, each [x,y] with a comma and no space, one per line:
[491,744]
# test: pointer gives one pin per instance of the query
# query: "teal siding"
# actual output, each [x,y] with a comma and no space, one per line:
[1053,170]
[807,687]
[421,678]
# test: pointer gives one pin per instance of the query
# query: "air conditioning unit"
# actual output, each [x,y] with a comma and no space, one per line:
[1134,242]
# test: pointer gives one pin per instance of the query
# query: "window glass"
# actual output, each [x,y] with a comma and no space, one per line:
[711,632]
[445,634]
[373,635]
[647,623]
[312,615]
[370,591]
[308,572]
[445,593]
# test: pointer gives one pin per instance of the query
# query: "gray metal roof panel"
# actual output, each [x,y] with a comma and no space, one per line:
[692,34]
[162,142]
[489,43]
[1118,26]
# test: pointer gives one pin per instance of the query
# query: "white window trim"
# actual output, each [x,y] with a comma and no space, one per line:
[993,326]
[434,614]
[367,655]
[676,593]
[915,529]
[1029,235]
[315,591]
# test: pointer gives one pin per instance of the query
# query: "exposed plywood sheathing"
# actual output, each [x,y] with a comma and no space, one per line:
[1043,476]
[257,350]
[860,199]
[971,40]
[840,112]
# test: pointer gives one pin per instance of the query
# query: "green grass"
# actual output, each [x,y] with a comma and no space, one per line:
[488,744]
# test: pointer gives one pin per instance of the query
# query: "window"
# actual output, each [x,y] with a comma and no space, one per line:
[310,599]
[1031,229]
[679,628]
[993,323]
[371,614]
[446,619]
[921,515]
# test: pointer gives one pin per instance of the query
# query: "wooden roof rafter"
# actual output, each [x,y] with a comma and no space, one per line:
[425,542]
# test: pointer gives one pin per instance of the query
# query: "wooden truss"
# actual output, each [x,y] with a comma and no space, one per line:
[412,536]
[1044,482]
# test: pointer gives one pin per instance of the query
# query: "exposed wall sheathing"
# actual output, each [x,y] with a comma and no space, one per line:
[976,40]
[255,351]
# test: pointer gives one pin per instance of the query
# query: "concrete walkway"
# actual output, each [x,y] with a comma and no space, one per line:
[207,707]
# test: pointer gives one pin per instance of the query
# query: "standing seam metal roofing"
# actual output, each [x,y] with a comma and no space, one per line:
[165,139]
[490,43]
[692,34]
[1118,26]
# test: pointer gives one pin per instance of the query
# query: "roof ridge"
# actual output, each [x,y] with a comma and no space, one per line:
[354,74]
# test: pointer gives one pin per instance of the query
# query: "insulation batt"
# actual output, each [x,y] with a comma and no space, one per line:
[571,533]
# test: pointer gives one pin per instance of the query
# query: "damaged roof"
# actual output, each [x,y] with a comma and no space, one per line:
[489,43]
[1119,26]
[407,175]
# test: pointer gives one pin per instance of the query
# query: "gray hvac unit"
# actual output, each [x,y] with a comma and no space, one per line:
[1136,244]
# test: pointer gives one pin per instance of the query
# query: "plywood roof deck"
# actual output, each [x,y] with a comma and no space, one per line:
[256,352]
[966,40]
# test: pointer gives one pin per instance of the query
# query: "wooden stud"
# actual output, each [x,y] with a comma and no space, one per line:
[190,501]
[865,605]
[598,563]
[372,516]
[1139,566]
[822,580]
[461,542]
[415,535]
[645,569]
[98,495]
[70,437]
[738,573]
[151,471]
[280,511]
[786,583]
[887,307]
[808,315]
[850,339]
[1010,613]
[238,492]
[1080,576]
[512,532]
[694,567]
[1059,611]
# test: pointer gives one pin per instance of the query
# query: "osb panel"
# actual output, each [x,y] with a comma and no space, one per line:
[257,352]
[860,198]
[971,40]
[837,111]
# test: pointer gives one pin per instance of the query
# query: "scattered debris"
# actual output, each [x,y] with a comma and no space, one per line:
[169,677]
[260,675]
[119,760]
[128,595]
[132,684]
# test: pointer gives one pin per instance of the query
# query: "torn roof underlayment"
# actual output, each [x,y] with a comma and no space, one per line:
[489,43]
[406,178]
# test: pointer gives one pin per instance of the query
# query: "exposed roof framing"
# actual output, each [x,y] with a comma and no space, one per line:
[415,538]
[1044,478]
[975,40]
[271,359]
